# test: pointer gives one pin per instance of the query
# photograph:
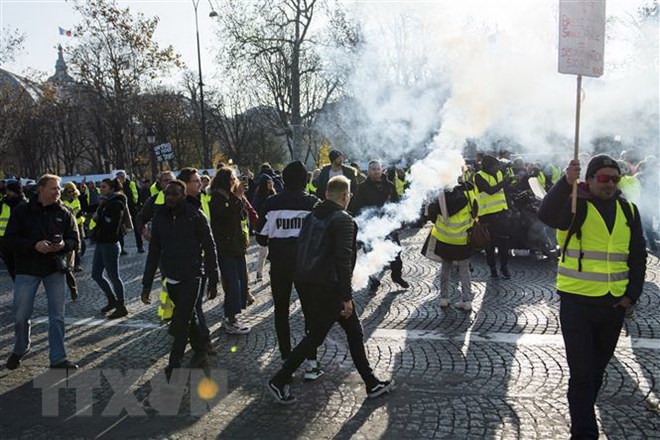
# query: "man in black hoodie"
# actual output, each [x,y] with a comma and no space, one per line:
[278,228]
[325,260]
[180,240]
[600,274]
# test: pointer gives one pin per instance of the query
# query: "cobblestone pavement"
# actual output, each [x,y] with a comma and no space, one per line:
[498,372]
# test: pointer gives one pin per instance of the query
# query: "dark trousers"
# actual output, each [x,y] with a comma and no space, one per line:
[203,326]
[281,283]
[324,307]
[83,247]
[184,321]
[138,237]
[590,336]
[233,271]
[499,239]
[396,265]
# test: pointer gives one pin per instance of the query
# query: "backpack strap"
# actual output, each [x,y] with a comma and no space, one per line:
[628,210]
[576,229]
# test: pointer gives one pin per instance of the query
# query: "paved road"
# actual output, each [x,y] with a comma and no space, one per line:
[498,372]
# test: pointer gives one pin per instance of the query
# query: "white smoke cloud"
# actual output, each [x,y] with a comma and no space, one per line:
[435,74]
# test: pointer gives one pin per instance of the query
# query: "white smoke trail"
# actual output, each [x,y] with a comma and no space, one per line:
[481,70]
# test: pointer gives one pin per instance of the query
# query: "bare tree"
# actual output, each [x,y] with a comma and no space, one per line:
[115,56]
[277,45]
[11,42]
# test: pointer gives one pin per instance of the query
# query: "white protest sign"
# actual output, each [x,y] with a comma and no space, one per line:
[164,152]
[581,37]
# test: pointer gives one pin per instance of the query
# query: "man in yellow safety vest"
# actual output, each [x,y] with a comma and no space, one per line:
[600,274]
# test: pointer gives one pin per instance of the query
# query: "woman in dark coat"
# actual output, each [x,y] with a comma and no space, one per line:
[106,232]
[229,224]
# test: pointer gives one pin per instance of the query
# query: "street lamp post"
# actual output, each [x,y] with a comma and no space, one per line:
[151,140]
[205,143]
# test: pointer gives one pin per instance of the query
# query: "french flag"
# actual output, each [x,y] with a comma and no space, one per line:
[65,32]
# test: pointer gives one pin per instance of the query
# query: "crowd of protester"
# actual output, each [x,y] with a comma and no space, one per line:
[198,231]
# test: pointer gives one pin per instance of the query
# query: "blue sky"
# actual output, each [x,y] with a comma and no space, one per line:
[40,19]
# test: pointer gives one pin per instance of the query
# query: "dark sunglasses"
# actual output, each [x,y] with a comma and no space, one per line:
[603,178]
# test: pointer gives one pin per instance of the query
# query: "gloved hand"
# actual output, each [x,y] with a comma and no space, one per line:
[213,290]
[146,293]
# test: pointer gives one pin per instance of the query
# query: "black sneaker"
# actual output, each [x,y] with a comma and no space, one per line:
[401,282]
[141,251]
[505,273]
[281,393]
[74,294]
[65,365]
[14,361]
[374,284]
[119,312]
[380,388]
[110,306]
[123,252]
[493,273]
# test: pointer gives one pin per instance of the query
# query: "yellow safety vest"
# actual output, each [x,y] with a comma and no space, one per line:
[165,304]
[455,231]
[399,185]
[134,191]
[160,199]
[555,174]
[490,204]
[311,188]
[153,189]
[205,198]
[75,207]
[4,218]
[541,178]
[246,230]
[631,188]
[603,267]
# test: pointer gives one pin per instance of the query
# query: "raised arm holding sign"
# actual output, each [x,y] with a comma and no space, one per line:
[581,51]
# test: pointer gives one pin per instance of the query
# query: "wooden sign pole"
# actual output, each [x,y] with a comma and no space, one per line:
[576,148]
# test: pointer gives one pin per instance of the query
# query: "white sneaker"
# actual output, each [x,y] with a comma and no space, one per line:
[444,303]
[312,370]
[235,328]
[464,305]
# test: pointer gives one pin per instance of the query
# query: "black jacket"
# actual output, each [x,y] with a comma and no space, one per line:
[178,238]
[146,213]
[555,211]
[372,193]
[226,218]
[326,249]
[280,222]
[32,222]
[321,181]
[109,218]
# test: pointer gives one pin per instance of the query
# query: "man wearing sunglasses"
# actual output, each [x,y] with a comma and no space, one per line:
[600,274]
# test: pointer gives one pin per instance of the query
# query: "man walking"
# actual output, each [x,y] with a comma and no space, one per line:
[324,268]
[181,242]
[278,228]
[600,275]
[41,233]
[374,193]
[336,168]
